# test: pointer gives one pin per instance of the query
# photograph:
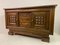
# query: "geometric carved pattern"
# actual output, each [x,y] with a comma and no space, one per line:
[41,19]
[12,19]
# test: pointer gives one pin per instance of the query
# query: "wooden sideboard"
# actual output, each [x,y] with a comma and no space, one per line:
[35,21]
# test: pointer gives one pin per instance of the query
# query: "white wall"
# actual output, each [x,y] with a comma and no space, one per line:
[24,3]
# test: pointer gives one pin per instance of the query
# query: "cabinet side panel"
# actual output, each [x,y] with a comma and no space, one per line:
[52,11]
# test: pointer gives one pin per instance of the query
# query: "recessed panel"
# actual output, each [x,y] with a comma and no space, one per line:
[41,19]
[12,18]
[25,19]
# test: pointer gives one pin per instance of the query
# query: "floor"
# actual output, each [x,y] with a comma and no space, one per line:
[6,39]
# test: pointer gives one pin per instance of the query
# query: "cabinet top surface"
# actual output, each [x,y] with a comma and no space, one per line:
[32,7]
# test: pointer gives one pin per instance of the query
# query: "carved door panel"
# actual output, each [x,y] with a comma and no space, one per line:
[41,20]
[25,19]
[12,19]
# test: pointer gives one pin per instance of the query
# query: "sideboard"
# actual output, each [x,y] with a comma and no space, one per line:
[37,21]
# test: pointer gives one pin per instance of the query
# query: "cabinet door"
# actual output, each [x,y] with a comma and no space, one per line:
[41,20]
[25,19]
[12,19]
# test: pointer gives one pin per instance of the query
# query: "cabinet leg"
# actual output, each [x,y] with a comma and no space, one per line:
[10,33]
[45,39]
